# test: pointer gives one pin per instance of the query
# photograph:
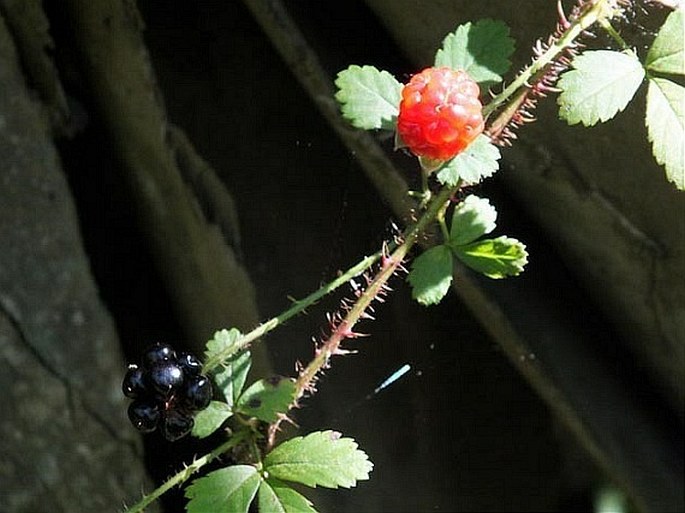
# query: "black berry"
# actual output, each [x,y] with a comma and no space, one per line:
[134,385]
[189,363]
[158,353]
[176,425]
[165,377]
[144,415]
[197,393]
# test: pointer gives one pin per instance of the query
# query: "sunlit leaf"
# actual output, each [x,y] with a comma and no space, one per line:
[277,497]
[229,489]
[495,258]
[482,49]
[666,54]
[479,160]
[472,218]
[231,376]
[266,399]
[369,98]
[222,342]
[322,458]
[600,85]
[666,127]
[211,418]
[431,275]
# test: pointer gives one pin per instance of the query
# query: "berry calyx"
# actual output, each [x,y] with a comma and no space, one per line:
[440,113]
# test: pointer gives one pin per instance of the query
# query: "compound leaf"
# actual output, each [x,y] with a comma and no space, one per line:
[211,418]
[600,85]
[666,127]
[230,379]
[277,497]
[666,54]
[369,98]
[266,399]
[495,258]
[479,160]
[322,458]
[222,342]
[472,218]
[227,489]
[431,275]
[482,49]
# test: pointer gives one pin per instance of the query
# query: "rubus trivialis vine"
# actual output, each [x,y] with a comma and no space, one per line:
[444,117]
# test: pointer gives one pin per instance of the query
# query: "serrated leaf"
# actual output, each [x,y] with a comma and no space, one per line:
[267,398]
[600,85]
[666,127]
[495,258]
[472,218]
[322,458]
[369,98]
[277,497]
[479,160]
[229,489]
[666,54]
[221,342]
[431,275]
[210,419]
[482,49]
[230,379]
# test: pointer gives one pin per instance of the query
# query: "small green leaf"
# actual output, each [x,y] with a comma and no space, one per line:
[321,458]
[479,160]
[231,377]
[495,258]
[472,218]
[277,497]
[369,98]
[227,489]
[431,275]
[482,49]
[211,418]
[222,341]
[666,54]
[267,398]
[666,127]
[600,85]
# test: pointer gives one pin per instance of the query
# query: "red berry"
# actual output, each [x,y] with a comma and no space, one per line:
[440,113]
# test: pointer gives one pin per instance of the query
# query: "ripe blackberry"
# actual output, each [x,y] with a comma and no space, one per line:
[158,353]
[134,385]
[197,393]
[165,377]
[189,363]
[176,424]
[144,415]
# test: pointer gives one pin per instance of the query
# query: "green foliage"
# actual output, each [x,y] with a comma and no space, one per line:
[482,49]
[666,54]
[666,128]
[472,218]
[230,380]
[322,458]
[479,160]
[600,85]
[229,489]
[211,418]
[277,497]
[369,98]
[266,399]
[222,342]
[431,275]
[495,258]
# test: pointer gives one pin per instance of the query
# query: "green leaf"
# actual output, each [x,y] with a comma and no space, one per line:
[666,54]
[230,379]
[277,497]
[495,258]
[229,489]
[222,341]
[666,127]
[431,275]
[600,85]
[266,399]
[479,160]
[472,218]
[211,418]
[321,458]
[482,49]
[369,98]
